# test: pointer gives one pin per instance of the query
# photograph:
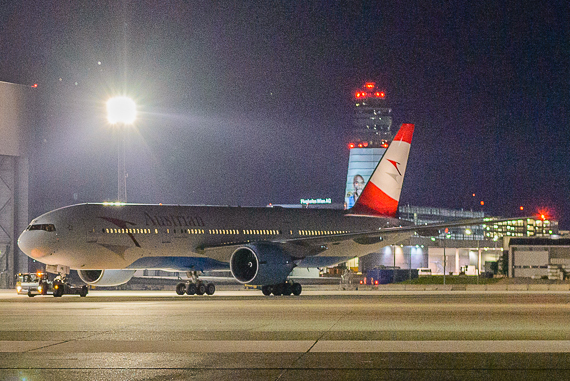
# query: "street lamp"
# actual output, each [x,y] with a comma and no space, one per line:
[121,111]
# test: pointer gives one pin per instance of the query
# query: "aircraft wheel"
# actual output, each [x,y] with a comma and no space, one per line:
[287,289]
[180,289]
[278,289]
[191,289]
[84,291]
[200,289]
[210,289]
[266,290]
[296,288]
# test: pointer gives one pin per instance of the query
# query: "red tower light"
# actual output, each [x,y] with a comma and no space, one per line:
[370,85]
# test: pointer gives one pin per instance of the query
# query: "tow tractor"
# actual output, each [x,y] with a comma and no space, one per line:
[33,284]
[61,287]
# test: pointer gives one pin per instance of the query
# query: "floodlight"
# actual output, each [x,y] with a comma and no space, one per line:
[121,110]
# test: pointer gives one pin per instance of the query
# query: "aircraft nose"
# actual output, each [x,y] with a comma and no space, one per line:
[32,244]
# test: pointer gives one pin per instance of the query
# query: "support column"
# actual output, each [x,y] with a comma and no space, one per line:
[457,261]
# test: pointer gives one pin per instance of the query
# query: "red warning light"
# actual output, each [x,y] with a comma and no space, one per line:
[358,94]
[34,85]
[365,144]
[376,282]
[350,145]
[522,208]
[380,94]
[384,145]
[359,145]
[370,85]
[482,202]
[544,214]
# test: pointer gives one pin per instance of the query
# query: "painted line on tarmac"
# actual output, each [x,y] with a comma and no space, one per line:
[282,346]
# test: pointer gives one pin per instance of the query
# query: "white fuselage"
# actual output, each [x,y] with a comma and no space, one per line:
[137,236]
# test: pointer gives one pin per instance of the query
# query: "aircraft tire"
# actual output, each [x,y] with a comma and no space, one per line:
[266,290]
[296,288]
[210,288]
[191,289]
[278,289]
[84,291]
[287,289]
[200,289]
[180,289]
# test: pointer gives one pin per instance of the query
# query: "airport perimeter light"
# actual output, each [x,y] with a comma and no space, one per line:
[121,111]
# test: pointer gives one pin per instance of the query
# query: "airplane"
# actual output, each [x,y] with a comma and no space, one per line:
[107,242]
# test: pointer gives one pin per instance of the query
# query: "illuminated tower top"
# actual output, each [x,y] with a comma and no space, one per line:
[372,116]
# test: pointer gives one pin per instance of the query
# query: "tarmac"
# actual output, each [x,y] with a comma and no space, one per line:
[240,334]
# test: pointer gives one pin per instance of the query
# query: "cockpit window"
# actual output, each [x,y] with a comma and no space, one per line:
[44,227]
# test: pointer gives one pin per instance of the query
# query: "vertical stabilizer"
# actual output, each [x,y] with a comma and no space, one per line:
[381,195]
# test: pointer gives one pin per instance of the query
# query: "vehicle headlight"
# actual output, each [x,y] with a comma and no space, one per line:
[18,288]
[40,289]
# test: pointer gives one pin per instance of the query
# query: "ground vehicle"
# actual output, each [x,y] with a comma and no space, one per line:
[61,287]
[33,284]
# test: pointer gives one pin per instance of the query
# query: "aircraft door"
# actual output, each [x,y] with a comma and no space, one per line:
[91,232]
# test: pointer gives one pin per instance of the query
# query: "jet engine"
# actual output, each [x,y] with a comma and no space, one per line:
[105,278]
[261,264]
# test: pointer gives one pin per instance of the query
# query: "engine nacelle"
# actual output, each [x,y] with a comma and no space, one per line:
[106,278]
[261,264]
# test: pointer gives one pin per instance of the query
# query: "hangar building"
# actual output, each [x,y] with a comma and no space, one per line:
[16,119]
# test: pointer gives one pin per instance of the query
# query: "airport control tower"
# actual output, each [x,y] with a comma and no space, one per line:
[370,136]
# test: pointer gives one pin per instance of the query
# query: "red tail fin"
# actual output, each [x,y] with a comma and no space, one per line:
[381,194]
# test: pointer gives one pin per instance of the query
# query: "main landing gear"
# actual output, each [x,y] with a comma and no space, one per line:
[195,286]
[286,288]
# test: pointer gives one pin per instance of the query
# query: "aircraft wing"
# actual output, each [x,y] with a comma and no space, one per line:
[372,236]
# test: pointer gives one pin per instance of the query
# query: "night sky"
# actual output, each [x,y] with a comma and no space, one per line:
[247,103]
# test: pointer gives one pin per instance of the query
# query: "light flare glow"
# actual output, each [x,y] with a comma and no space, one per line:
[121,110]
